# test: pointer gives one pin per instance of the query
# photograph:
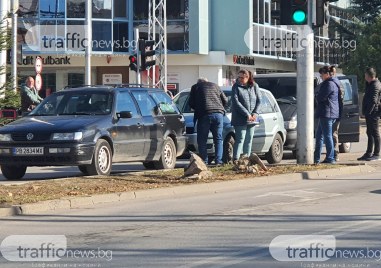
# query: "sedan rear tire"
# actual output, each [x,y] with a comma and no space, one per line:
[13,172]
[102,159]
[345,147]
[275,153]
[168,155]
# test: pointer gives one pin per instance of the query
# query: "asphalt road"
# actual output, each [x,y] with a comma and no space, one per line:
[233,227]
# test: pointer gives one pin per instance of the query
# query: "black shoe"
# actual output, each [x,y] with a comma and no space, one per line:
[329,162]
[364,157]
[373,158]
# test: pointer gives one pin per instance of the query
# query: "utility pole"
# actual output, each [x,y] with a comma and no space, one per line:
[89,38]
[3,51]
[305,92]
[14,7]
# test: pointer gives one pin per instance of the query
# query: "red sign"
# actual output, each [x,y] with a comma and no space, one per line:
[171,86]
[38,82]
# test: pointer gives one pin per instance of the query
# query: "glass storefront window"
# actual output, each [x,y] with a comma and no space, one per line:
[177,9]
[28,34]
[52,9]
[27,8]
[120,9]
[121,41]
[76,8]
[102,9]
[140,9]
[76,79]
[177,36]
[52,36]
[102,36]
[143,29]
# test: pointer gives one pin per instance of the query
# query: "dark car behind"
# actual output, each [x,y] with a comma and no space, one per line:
[283,87]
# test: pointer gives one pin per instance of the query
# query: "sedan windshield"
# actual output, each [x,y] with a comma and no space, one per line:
[75,103]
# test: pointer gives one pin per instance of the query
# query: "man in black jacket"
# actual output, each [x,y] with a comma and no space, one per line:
[208,101]
[371,111]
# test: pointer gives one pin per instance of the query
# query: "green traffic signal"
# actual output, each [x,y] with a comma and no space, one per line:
[299,16]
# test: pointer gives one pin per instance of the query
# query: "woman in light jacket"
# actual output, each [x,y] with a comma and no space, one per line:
[245,105]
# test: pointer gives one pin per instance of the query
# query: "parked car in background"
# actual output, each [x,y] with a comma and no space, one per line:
[93,127]
[269,135]
[283,87]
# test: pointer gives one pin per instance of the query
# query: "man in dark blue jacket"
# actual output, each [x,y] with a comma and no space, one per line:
[371,111]
[208,101]
[327,112]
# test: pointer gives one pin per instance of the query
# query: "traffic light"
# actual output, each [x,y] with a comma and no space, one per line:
[293,12]
[133,63]
[322,13]
[146,50]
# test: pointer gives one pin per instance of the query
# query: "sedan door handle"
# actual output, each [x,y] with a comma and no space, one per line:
[139,125]
[275,118]
[352,114]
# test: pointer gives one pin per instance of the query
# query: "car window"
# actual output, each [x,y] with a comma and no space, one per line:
[75,103]
[124,102]
[145,102]
[165,103]
[181,100]
[266,106]
[279,87]
[49,107]
[348,97]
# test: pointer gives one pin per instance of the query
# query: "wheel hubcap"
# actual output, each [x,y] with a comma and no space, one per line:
[168,155]
[103,159]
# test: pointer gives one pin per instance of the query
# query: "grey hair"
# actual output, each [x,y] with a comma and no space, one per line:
[202,79]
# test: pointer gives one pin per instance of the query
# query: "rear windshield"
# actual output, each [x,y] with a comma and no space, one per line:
[280,87]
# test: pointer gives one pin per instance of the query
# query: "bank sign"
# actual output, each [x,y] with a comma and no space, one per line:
[48,60]
[244,60]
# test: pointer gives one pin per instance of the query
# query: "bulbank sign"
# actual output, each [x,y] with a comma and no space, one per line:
[48,60]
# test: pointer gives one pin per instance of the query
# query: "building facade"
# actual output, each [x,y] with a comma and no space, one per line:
[205,38]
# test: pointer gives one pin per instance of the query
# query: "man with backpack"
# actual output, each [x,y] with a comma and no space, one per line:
[371,110]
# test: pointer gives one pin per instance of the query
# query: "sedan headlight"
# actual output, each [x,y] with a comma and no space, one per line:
[5,137]
[73,136]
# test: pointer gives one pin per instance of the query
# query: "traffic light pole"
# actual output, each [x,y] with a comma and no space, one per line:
[305,92]
[138,79]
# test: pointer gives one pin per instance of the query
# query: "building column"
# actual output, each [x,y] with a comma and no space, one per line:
[212,73]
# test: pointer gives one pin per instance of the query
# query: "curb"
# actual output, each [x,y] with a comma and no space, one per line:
[202,188]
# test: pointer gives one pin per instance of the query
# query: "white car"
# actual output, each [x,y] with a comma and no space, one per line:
[269,135]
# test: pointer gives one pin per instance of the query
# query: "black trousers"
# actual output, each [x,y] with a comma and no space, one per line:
[373,135]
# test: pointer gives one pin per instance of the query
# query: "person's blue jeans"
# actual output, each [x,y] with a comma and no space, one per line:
[214,123]
[243,140]
[324,134]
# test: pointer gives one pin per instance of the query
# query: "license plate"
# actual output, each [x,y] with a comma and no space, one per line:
[28,150]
